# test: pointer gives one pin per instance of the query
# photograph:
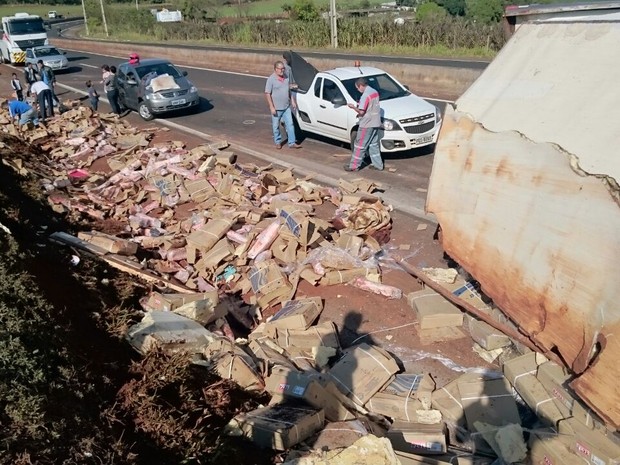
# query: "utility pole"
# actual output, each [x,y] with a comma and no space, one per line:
[136,4]
[105,23]
[85,20]
[333,24]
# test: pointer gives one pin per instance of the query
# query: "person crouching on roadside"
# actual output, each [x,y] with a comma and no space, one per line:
[22,112]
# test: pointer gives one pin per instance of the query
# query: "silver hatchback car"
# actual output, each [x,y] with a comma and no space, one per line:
[50,56]
[155,86]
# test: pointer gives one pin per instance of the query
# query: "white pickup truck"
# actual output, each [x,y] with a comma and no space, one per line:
[408,121]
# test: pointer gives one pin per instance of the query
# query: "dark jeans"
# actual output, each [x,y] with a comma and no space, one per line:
[44,98]
[113,99]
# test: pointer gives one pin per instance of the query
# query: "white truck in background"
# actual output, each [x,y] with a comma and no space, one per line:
[20,32]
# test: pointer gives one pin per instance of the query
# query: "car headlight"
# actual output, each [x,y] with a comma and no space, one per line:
[437,115]
[154,96]
[193,90]
[390,125]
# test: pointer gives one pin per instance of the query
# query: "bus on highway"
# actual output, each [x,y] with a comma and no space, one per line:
[19,32]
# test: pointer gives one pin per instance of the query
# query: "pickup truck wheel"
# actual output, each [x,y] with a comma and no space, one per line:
[145,112]
[353,137]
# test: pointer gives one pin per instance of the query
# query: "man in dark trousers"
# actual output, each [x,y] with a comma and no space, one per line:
[44,99]
[30,76]
[47,76]
[367,138]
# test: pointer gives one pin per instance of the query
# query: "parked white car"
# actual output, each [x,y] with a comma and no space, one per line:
[50,56]
[408,121]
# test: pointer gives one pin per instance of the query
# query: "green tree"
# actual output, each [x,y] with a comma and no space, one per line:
[485,11]
[303,10]
[430,11]
[454,7]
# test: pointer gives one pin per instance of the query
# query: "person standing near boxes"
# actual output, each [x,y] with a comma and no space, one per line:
[278,96]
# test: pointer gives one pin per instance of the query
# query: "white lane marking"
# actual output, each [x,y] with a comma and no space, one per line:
[89,66]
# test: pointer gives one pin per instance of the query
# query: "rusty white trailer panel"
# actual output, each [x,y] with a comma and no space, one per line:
[556,83]
[524,186]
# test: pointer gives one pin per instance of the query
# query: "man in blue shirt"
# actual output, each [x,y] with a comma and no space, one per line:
[22,111]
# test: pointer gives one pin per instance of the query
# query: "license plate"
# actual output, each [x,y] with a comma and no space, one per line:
[423,140]
[180,101]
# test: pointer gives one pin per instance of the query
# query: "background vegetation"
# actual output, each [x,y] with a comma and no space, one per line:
[439,27]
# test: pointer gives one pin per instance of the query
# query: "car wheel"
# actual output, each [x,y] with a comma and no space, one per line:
[353,137]
[121,104]
[145,112]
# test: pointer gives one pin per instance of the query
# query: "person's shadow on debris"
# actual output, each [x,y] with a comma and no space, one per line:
[350,333]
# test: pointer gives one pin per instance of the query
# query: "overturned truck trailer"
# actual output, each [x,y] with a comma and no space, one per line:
[525,188]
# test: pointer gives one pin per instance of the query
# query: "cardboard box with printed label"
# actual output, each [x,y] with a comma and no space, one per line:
[443,459]
[433,310]
[417,438]
[551,450]
[363,371]
[521,372]
[297,314]
[278,426]
[593,445]
[306,386]
[555,380]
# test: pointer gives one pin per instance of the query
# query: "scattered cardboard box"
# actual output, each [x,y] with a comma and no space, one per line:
[339,434]
[297,314]
[488,401]
[170,332]
[521,372]
[279,426]
[594,446]
[418,438]
[109,243]
[395,407]
[433,310]
[231,362]
[363,371]
[551,450]
[486,335]
[287,384]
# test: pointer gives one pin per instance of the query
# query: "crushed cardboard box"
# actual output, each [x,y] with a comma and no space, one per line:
[279,426]
[363,371]
[418,438]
